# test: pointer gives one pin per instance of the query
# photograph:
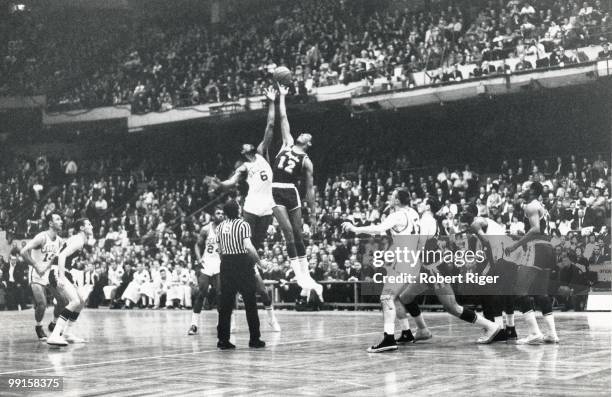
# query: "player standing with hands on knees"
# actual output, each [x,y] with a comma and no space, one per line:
[291,166]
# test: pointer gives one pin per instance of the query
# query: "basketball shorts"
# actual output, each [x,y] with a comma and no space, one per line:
[211,266]
[539,254]
[37,278]
[286,194]
[397,275]
[53,277]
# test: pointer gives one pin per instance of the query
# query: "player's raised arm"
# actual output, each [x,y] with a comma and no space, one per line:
[264,145]
[310,194]
[26,252]
[282,109]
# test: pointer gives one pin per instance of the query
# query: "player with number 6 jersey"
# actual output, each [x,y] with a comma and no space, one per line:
[258,204]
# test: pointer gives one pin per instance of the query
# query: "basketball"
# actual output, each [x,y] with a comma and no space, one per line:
[282,75]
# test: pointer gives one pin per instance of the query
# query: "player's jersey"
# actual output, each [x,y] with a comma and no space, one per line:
[259,199]
[494,229]
[543,219]
[45,255]
[211,246]
[405,222]
[288,166]
[75,255]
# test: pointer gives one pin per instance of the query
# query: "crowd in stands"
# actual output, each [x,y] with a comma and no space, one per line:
[146,226]
[104,60]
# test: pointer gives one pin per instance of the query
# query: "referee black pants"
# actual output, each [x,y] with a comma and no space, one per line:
[237,275]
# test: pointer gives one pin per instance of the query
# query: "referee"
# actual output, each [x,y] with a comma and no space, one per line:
[238,260]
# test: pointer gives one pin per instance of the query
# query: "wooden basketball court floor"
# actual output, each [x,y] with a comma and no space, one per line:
[143,352]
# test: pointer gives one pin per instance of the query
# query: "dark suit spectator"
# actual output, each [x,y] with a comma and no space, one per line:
[15,278]
[455,75]
[126,279]
[581,220]
[605,53]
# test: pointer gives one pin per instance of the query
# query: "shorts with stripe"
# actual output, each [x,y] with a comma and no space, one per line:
[286,194]
[53,277]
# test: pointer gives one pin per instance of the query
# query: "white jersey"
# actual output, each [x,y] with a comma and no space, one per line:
[403,222]
[259,200]
[45,255]
[494,228]
[212,259]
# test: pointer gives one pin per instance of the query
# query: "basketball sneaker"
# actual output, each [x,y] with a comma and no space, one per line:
[489,334]
[511,336]
[71,338]
[388,344]
[193,330]
[535,339]
[422,334]
[549,338]
[501,336]
[257,344]
[405,337]
[40,333]
[57,341]
[226,345]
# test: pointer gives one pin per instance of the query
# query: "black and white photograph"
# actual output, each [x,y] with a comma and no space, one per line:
[305,198]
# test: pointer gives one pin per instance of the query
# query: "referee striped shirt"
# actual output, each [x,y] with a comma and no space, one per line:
[231,234]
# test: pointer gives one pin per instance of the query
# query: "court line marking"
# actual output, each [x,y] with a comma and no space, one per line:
[127,360]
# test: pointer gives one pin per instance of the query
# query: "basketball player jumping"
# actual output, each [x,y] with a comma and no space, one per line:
[291,165]
[538,257]
[208,273]
[61,279]
[47,244]
[258,204]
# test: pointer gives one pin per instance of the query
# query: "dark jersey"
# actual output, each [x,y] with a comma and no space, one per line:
[71,259]
[288,167]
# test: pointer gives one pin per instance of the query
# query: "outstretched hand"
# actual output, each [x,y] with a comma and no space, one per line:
[270,93]
[282,90]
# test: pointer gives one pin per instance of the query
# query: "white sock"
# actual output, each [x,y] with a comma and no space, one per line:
[389,317]
[270,314]
[59,327]
[404,324]
[195,319]
[312,284]
[39,323]
[299,275]
[532,324]
[68,328]
[483,322]
[550,322]
[499,320]
[510,319]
